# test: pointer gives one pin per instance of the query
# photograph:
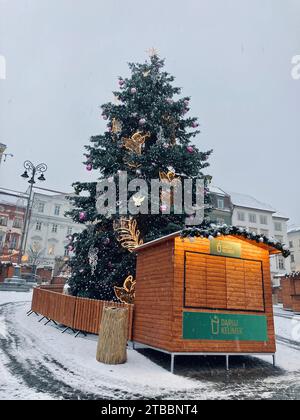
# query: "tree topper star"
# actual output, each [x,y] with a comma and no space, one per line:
[152,52]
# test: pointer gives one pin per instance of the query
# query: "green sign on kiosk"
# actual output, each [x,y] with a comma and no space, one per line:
[224,327]
[225,248]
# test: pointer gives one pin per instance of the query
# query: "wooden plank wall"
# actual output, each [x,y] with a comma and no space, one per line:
[223,283]
[55,306]
[291,293]
[288,289]
[153,317]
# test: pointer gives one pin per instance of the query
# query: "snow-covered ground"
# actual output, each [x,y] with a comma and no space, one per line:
[39,362]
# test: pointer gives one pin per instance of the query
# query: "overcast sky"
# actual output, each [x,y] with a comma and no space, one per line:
[232,56]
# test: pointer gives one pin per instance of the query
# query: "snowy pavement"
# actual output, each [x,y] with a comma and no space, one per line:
[39,362]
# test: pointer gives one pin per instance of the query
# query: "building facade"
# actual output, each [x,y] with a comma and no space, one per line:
[222,206]
[12,214]
[294,244]
[49,229]
[2,150]
[262,219]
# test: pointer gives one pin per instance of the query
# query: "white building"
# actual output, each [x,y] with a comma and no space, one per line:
[263,219]
[294,244]
[49,227]
[2,150]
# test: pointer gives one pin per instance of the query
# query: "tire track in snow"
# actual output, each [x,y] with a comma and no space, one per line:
[35,373]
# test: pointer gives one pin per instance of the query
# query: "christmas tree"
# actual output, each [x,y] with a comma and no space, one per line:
[149,135]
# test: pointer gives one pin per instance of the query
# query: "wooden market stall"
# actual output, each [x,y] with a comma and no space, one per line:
[290,285]
[205,295]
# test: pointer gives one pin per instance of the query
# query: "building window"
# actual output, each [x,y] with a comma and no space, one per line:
[291,244]
[263,220]
[281,263]
[70,231]
[241,216]
[38,226]
[252,218]
[57,210]
[292,258]
[13,243]
[36,246]
[2,240]
[51,250]
[278,226]
[17,224]
[54,228]
[3,221]
[41,207]
[220,203]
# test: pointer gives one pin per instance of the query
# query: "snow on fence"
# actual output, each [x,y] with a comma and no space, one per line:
[58,288]
[77,313]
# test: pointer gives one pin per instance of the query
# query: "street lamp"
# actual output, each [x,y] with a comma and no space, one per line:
[30,173]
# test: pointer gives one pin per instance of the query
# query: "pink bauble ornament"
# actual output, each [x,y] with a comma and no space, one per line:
[70,248]
[121,82]
[163,207]
[133,90]
[170,100]
[82,216]
[142,121]
[190,149]
[89,167]
[195,124]
[106,241]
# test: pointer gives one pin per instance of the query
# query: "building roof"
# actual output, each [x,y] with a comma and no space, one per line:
[216,190]
[247,201]
[294,230]
[281,216]
[11,200]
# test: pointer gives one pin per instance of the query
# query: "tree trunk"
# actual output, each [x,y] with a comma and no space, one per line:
[112,343]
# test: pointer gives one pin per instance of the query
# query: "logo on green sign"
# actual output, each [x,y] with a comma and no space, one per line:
[224,327]
[225,248]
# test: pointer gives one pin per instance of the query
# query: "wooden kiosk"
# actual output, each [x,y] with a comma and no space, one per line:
[205,296]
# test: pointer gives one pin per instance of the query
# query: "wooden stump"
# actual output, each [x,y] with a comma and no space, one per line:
[112,343]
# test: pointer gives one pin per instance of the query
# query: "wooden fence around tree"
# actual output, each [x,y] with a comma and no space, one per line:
[77,313]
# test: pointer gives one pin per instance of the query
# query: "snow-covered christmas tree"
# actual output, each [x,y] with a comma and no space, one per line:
[149,135]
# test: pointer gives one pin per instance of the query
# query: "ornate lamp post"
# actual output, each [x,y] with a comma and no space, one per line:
[30,173]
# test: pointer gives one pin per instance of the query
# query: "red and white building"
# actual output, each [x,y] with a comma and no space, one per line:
[12,215]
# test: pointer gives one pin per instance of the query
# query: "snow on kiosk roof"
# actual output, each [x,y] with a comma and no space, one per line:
[215,231]
[207,295]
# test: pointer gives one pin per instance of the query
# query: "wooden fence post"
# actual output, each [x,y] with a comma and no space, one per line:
[112,343]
